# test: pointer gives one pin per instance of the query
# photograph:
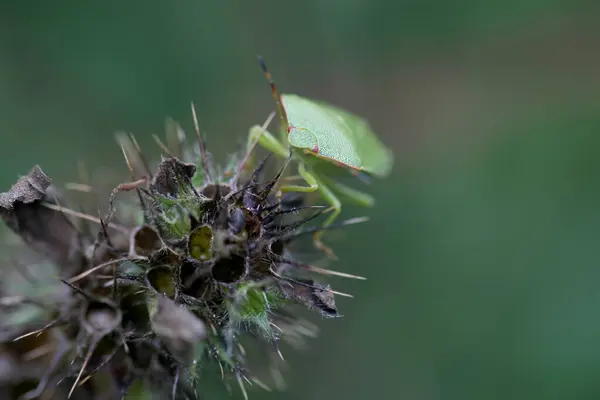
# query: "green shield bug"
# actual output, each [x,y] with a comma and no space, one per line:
[319,136]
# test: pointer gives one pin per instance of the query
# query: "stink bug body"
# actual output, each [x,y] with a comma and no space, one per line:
[318,136]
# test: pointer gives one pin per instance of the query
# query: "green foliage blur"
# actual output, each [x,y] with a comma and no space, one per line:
[484,278]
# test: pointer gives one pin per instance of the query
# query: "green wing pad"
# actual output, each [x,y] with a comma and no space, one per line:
[340,135]
[304,117]
[376,158]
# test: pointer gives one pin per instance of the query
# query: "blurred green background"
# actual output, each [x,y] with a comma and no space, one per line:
[482,257]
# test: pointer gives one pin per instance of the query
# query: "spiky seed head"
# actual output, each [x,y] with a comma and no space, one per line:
[211,262]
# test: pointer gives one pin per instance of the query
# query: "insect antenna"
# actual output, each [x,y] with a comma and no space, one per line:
[276,95]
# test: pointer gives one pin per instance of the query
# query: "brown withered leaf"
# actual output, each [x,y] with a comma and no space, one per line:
[46,231]
[28,189]
[313,295]
[170,175]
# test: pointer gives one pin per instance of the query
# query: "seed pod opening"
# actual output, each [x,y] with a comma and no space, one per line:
[161,279]
[101,317]
[277,247]
[216,191]
[200,243]
[230,269]
[196,278]
[144,240]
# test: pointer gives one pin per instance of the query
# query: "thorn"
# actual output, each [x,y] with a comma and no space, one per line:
[99,234]
[279,352]
[105,233]
[175,381]
[273,213]
[99,367]
[324,289]
[114,288]
[334,273]
[176,143]
[162,145]
[284,230]
[80,187]
[84,216]
[85,362]
[262,384]
[353,221]
[337,225]
[251,149]
[128,162]
[276,327]
[242,387]
[252,181]
[221,368]
[139,194]
[323,271]
[242,349]
[78,290]
[141,155]
[141,200]
[269,187]
[38,331]
[125,346]
[100,266]
[202,145]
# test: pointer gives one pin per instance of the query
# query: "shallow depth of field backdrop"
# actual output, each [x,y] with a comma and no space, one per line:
[482,253]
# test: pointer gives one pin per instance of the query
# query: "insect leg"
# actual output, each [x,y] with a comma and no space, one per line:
[315,184]
[335,209]
[358,197]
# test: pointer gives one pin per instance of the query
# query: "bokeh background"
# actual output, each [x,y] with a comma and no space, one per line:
[482,253]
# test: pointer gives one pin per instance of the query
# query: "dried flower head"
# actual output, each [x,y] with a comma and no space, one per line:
[150,299]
